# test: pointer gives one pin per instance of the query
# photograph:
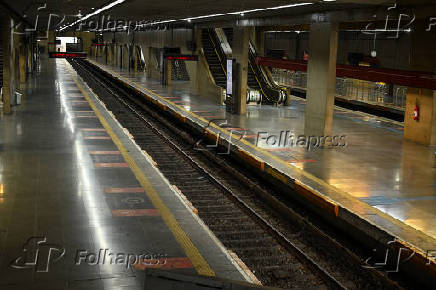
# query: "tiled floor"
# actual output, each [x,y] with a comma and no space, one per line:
[66,191]
[377,166]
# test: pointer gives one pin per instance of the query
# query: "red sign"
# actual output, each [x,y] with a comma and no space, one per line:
[67,55]
[182,57]
[98,44]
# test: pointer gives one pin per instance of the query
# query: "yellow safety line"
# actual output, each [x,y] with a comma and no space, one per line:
[185,242]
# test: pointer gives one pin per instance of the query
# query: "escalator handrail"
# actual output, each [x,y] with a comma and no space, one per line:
[256,76]
[217,53]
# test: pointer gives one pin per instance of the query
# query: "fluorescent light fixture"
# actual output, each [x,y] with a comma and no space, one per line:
[157,22]
[98,11]
[290,6]
[202,17]
[246,11]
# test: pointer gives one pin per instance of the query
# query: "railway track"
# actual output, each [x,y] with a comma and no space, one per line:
[282,252]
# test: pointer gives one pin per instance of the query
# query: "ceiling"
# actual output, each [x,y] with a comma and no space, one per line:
[147,10]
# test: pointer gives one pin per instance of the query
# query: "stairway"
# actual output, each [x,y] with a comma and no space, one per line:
[178,71]
[215,65]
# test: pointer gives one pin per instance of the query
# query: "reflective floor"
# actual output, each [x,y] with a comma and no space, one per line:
[71,210]
[377,165]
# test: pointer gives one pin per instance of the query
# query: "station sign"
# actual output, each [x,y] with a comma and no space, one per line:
[56,54]
[187,57]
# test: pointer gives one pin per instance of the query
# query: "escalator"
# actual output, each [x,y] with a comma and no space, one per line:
[258,79]
[215,57]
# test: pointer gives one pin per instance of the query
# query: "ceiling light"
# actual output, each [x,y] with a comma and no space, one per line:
[98,11]
[246,11]
[289,6]
[202,17]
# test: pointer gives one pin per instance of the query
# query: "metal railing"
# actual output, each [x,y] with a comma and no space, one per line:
[352,89]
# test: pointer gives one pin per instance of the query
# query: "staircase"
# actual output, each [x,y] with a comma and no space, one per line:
[212,52]
[178,71]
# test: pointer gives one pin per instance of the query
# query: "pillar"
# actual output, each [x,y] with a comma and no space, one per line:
[321,79]
[8,75]
[260,41]
[22,64]
[240,54]
[29,56]
[423,130]
[135,58]
[422,58]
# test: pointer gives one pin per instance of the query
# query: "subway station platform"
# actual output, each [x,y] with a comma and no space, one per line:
[378,182]
[81,207]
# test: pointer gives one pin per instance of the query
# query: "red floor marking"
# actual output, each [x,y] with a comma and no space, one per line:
[135,212]
[93,129]
[124,190]
[104,152]
[111,165]
[97,138]
[164,264]
[301,161]
[250,136]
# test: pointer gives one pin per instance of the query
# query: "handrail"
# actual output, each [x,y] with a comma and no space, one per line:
[216,52]
[206,65]
[251,60]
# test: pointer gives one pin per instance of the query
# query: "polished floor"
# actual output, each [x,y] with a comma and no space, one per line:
[71,209]
[377,166]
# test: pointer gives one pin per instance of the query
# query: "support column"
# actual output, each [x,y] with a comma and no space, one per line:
[422,130]
[240,53]
[8,75]
[321,79]
[422,58]
[260,41]
[168,71]
[22,63]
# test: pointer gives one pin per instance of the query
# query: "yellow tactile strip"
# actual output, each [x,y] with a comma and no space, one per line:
[191,251]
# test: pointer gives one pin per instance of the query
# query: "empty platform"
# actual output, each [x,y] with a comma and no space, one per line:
[377,176]
[81,207]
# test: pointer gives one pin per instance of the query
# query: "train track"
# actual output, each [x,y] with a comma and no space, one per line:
[287,253]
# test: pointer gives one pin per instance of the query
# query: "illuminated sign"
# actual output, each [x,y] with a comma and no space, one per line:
[67,55]
[182,57]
